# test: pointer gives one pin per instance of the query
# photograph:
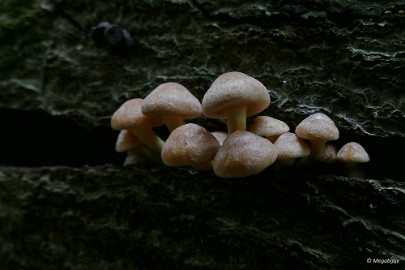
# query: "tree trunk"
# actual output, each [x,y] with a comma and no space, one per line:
[66,201]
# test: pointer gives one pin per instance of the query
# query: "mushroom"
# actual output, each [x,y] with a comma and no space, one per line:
[126,140]
[220,136]
[328,154]
[268,127]
[172,103]
[318,128]
[242,154]
[351,154]
[234,96]
[137,153]
[129,116]
[133,158]
[290,147]
[190,145]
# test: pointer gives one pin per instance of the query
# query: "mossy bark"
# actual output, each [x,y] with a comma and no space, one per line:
[110,217]
[343,58]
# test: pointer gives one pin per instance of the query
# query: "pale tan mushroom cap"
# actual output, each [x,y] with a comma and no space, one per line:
[290,146]
[235,89]
[126,140]
[268,126]
[172,99]
[129,115]
[242,154]
[328,154]
[317,126]
[189,145]
[353,152]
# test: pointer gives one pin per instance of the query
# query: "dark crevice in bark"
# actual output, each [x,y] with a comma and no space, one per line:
[39,139]
[35,138]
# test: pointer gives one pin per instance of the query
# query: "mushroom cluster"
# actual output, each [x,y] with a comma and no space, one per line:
[239,152]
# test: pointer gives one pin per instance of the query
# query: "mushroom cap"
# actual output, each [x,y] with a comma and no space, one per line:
[353,152]
[317,126]
[171,99]
[126,140]
[268,126]
[220,136]
[189,145]
[129,115]
[242,154]
[290,146]
[328,154]
[235,89]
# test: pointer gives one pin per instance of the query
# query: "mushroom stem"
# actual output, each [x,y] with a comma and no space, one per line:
[149,138]
[286,162]
[354,170]
[133,158]
[172,122]
[236,119]
[150,155]
[141,155]
[316,148]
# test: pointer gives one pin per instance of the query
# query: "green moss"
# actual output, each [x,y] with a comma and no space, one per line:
[19,33]
[110,217]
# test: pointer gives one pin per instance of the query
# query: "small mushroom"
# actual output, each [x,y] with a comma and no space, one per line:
[290,147]
[137,153]
[234,96]
[220,136]
[351,154]
[242,154]
[173,103]
[190,145]
[134,158]
[129,116]
[318,128]
[328,154]
[126,140]
[268,127]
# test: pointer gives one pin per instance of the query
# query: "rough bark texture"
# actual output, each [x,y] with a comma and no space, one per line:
[337,56]
[164,218]
[59,87]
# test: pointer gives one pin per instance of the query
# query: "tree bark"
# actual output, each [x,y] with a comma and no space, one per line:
[345,59]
